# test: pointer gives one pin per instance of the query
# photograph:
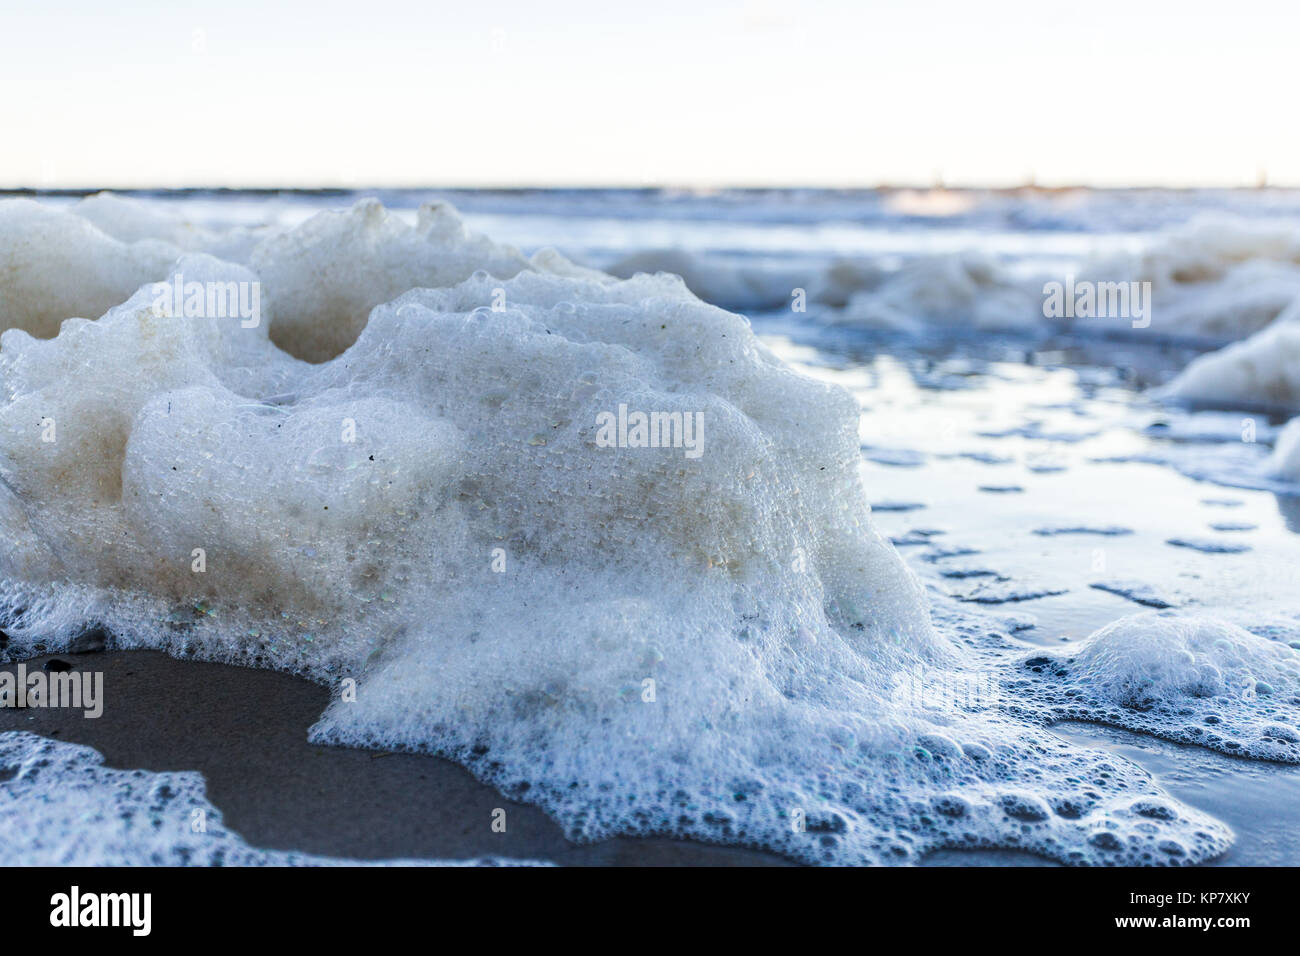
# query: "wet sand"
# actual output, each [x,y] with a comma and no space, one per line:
[246,731]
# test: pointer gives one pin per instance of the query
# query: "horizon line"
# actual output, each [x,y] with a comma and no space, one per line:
[1027,187]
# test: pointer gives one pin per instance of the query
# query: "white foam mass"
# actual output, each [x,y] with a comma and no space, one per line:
[959,290]
[326,275]
[1248,297]
[132,220]
[1216,278]
[1261,371]
[1209,247]
[720,647]
[1188,678]
[55,265]
[1284,464]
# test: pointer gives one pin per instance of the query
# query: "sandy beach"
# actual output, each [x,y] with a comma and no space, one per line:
[245,730]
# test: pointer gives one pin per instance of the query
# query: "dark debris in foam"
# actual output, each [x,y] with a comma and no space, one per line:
[93,638]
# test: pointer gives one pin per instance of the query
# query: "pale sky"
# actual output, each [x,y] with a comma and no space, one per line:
[665,92]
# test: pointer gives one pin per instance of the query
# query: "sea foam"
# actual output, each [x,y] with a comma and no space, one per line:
[1213,280]
[1260,372]
[408,503]
[1191,679]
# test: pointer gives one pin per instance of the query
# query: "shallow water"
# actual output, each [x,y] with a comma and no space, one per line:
[991,454]
[1047,476]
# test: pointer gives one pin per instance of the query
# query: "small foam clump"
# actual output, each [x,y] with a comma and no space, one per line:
[963,290]
[1192,679]
[1209,247]
[1216,277]
[1262,371]
[1285,461]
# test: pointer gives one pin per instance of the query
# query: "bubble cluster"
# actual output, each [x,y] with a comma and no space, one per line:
[1187,678]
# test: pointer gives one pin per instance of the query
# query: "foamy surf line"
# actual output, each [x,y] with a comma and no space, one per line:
[394,483]
[60,806]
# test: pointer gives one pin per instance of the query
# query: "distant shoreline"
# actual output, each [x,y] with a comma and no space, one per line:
[1024,189]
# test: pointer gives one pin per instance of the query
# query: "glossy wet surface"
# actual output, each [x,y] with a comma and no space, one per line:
[1053,498]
